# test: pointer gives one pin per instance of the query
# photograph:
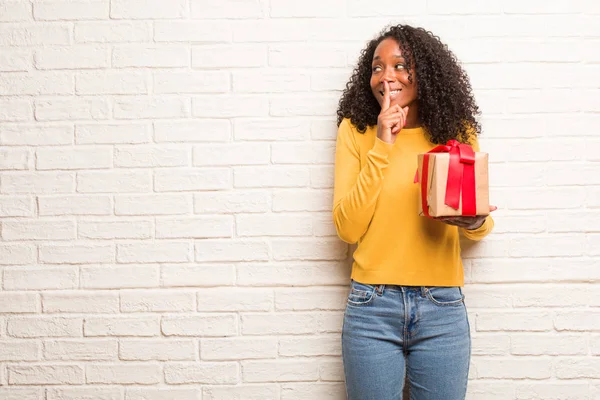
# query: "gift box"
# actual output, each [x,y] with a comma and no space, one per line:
[453,181]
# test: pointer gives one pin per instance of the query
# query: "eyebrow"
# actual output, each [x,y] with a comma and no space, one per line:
[379,58]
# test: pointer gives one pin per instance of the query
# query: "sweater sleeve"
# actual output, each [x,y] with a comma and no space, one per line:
[488,224]
[356,189]
[481,232]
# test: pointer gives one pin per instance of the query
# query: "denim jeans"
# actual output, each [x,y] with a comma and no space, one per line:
[390,331]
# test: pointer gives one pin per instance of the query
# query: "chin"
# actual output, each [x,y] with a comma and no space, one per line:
[400,102]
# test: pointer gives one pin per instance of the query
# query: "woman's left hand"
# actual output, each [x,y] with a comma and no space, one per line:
[466,222]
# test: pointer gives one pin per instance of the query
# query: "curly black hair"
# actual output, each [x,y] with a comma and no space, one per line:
[447,108]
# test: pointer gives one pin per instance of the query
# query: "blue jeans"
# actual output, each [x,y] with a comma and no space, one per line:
[390,331]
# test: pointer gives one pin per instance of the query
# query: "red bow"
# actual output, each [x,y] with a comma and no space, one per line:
[461,177]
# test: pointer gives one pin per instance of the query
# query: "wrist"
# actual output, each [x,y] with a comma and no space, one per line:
[386,139]
[476,225]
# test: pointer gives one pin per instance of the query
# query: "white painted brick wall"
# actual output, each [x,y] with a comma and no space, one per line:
[166,173]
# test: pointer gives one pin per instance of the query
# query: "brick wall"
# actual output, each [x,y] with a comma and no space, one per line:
[166,172]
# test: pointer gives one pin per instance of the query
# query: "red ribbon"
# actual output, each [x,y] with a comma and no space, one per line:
[461,177]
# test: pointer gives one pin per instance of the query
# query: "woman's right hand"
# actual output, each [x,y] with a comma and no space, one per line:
[391,120]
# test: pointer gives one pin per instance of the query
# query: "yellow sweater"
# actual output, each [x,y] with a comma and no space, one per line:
[375,204]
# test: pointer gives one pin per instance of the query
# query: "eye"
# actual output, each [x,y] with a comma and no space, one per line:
[375,68]
[400,66]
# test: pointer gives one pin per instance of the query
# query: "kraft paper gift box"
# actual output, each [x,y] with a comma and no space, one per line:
[453,181]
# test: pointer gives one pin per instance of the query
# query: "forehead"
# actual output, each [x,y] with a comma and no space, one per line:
[388,47]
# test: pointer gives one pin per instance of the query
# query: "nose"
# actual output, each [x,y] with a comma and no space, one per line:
[388,75]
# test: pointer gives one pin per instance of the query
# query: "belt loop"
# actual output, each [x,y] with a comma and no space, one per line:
[423,290]
[380,288]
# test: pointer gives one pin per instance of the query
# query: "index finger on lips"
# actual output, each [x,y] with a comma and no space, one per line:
[386,96]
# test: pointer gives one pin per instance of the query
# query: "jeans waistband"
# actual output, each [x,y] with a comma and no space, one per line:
[381,288]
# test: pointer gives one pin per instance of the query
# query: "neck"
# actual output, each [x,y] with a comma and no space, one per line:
[412,119]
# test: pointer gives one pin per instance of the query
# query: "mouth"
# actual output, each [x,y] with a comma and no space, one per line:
[392,92]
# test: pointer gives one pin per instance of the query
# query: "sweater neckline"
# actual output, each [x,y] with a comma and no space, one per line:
[411,131]
[404,131]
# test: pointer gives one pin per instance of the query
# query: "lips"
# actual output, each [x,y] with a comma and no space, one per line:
[392,92]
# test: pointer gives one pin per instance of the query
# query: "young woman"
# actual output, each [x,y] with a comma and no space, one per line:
[405,313]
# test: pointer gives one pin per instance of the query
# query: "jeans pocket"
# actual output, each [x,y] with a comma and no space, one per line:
[360,294]
[445,296]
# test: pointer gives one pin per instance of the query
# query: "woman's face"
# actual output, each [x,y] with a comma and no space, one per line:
[389,65]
